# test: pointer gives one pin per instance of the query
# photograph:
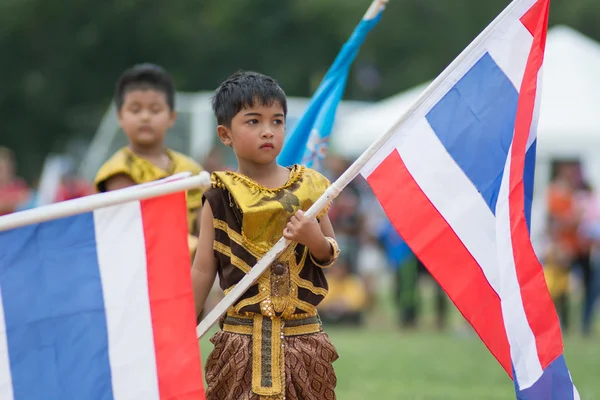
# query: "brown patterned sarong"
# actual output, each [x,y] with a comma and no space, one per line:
[309,373]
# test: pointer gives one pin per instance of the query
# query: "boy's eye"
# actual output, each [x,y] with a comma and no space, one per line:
[253,121]
[278,122]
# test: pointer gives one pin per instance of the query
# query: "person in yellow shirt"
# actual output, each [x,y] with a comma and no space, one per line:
[557,273]
[145,102]
[346,300]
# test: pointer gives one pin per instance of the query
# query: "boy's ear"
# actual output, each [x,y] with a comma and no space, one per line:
[172,118]
[224,134]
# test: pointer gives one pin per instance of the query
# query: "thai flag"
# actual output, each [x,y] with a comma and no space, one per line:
[462,170]
[99,306]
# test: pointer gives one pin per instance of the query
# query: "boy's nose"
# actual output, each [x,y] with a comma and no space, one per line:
[267,134]
[145,115]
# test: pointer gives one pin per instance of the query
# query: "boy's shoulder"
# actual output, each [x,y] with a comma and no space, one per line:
[316,175]
[117,164]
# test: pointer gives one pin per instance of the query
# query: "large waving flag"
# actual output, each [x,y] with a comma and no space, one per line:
[455,178]
[307,144]
[99,305]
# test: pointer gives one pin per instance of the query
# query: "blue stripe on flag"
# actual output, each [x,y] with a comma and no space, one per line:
[475,122]
[528,181]
[54,311]
[555,384]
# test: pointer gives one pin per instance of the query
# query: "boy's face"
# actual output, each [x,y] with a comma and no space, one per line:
[145,117]
[256,133]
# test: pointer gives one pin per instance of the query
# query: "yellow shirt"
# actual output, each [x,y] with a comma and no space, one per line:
[348,290]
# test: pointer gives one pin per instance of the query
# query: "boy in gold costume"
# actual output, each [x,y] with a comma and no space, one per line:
[271,344]
[145,101]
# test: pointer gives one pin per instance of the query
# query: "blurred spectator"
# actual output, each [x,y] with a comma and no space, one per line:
[573,227]
[345,212]
[73,187]
[13,190]
[372,265]
[33,198]
[562,213]
[346,299]
[408,271]
[557,274]
[563,222]
[586,203]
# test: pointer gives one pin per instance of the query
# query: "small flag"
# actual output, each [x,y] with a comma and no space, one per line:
[99,305]
[308,142]
[456,181]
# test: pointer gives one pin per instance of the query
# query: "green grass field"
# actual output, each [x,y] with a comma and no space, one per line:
[382,362]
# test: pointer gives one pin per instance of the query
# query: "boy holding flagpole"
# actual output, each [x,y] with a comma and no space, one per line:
[271,344]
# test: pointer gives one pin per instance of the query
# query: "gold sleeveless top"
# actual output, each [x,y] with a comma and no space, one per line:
[248,220]
[141,171]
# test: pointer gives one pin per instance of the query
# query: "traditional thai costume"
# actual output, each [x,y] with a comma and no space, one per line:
[271,344]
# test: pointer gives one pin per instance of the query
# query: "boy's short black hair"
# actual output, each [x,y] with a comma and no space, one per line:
[243,89]
[145,77]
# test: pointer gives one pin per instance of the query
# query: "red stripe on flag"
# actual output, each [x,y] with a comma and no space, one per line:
[538,305]
[532,17]
[433,241]
[178,361]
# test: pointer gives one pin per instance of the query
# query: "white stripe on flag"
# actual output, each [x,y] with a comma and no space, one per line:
[523,349]
[536,108]
[509,48]
[6,388]
[123,268]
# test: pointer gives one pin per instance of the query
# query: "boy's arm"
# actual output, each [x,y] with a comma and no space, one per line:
[118,181]
[204,268]
[199,217]
[326,226]
[322,250]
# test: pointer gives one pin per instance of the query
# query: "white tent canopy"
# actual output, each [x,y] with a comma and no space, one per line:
[570,109]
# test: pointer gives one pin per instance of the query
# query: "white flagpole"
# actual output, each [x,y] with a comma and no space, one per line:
[89,203]
[351,173]
[374,9]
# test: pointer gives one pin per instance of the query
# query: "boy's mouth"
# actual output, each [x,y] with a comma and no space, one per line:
[267,146]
